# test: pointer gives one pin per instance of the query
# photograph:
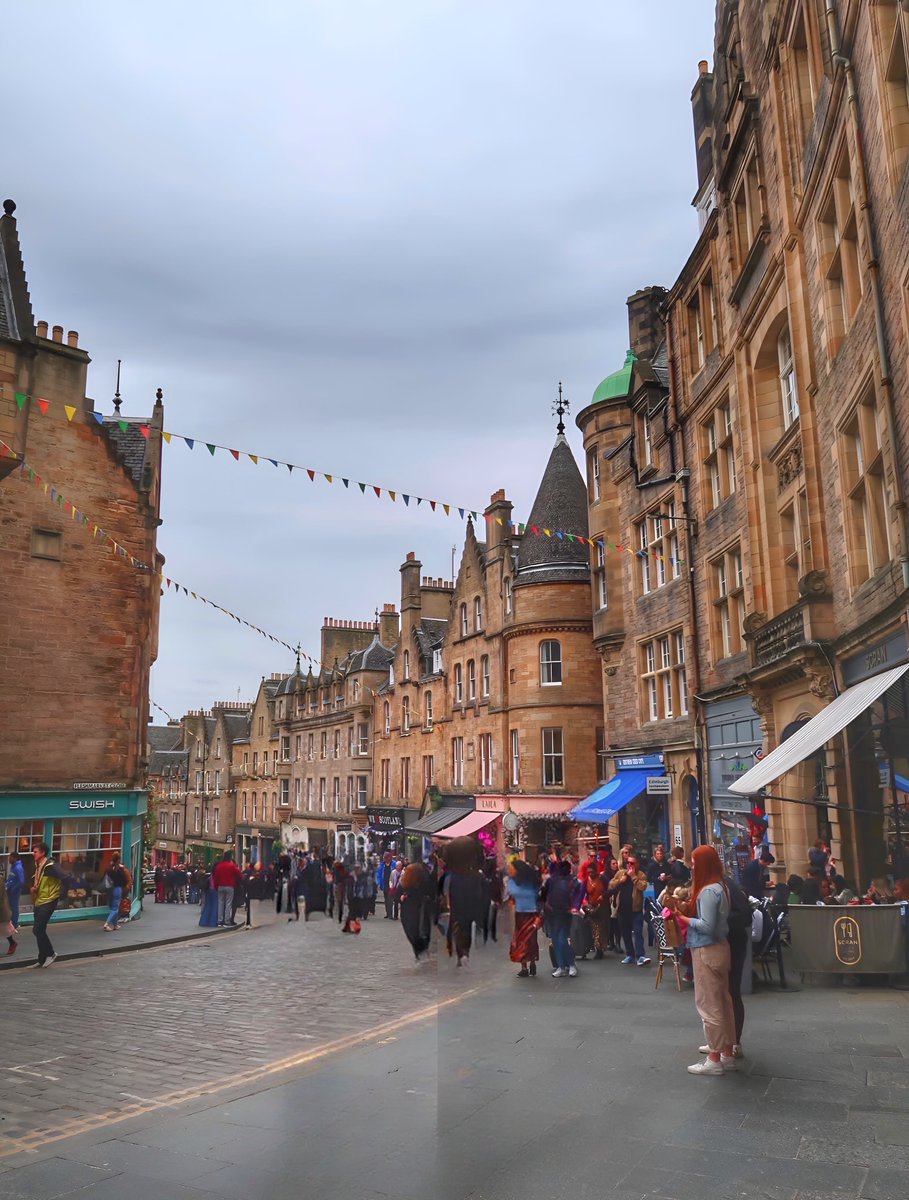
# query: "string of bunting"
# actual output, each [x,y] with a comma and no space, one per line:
[55,496]
[393,494]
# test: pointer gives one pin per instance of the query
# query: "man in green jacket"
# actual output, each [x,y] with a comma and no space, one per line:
[46,889]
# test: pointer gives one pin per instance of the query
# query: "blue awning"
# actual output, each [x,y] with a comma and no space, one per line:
[902,783]
[602,805]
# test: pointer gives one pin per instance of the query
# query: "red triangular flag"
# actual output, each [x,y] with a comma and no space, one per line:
[42,404]
[236,454]
[144,430]
[378,491]
[311,474]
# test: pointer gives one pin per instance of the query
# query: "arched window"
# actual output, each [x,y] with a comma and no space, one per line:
[464,629]
[477,614]
[405,715]
[458,684]
[386,718]
[507,597]
[406,664]
[484,676]
[471,681]
[789,393]
[550,662]
[427,709]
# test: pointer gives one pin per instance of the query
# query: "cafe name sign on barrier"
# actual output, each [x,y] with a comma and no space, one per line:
[847,941]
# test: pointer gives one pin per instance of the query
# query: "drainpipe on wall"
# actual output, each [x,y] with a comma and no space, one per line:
[683,476]
[838,58]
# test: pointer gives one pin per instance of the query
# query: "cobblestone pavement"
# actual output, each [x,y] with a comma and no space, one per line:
[436,1083]
[120,1034]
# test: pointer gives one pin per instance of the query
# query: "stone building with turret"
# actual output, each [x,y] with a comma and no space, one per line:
[489,723]
[80,606]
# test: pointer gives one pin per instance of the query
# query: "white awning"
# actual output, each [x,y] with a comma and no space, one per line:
[820,729]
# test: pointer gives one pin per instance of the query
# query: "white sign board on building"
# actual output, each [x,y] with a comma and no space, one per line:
[659,785]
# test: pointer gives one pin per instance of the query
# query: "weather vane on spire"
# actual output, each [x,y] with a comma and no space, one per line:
[117,400]
[297,652]
[560,408]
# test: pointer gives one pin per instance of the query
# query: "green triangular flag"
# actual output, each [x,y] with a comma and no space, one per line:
[211,448]
[20,400]
[362,487]
[124,425]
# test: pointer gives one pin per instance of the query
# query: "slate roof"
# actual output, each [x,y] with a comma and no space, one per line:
[375,657]
[162,759]
[163,737]
[660,364]
[286,686]
[561,505]
[130,446]
[430,635]
[237,725]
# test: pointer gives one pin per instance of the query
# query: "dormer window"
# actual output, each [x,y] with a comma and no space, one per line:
[437,662]
[391,674]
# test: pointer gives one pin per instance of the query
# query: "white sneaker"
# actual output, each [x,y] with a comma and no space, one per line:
[728,1063]
[50,959]
[572,971]
[559,973]
[643,961]
[706,1067]
[703,1049]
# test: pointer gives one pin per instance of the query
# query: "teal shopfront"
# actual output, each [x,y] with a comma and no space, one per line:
[84,828]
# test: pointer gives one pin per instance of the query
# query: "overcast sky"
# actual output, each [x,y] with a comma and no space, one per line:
[367,237]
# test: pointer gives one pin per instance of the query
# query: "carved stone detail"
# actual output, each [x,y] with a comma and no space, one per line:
[790,466]
[815,583]
[754,621]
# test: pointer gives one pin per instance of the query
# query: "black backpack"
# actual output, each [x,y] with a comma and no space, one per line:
[740,914]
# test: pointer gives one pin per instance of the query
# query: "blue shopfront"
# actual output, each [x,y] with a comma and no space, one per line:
[84,828]
[634,802]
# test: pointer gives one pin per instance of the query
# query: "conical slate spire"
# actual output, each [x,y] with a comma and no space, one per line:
[560,506]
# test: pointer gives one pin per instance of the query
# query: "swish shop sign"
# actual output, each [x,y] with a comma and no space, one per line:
[80,802]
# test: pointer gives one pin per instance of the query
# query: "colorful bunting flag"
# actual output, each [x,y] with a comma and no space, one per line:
[70,410]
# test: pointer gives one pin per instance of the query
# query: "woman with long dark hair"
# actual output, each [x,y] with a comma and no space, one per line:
[706,918]
[416,894]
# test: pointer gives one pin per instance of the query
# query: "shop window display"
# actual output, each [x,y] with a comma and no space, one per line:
[21,836]
[84,848]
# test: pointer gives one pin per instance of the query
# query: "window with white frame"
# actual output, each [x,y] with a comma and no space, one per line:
[285,749]
[310,747]
[646,426]
[162,823]
[795,533]
[718,453]
[298,747]
[363,737]
[206,818]
[600,591]
[457,761]
[391,674]
[336,793]
[464,626]
[485,759]
[216,822]
[471,681]
[663,676]
[175,825]
[594,474]
[310,794]
[245,807]
[336,744]
[362,790]
[405,778]
[356,690]
[437,662]
[255,807]
[196,819]
[838,251]
[350,793]
[553,758]
[298,793]
[745,212]
[477,614]
[789,392]
[658,541]
[484,677]
[406,665]
[323,794]
[405,714]
[458,684]
[550,662]
[323,744]
[285,793]
[515,758]
[427,709]
[386,718]
[507,596]
[728,588]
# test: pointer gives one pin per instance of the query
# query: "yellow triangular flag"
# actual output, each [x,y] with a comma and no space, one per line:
[329,478]
[167,437]
[498,520]
[70,411]
[255,458]
[392,494]
[548,532]
[447,508]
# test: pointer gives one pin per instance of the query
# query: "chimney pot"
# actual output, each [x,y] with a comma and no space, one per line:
[72,338]
[703,67]
[411,555]
[58,333]
[42,329]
